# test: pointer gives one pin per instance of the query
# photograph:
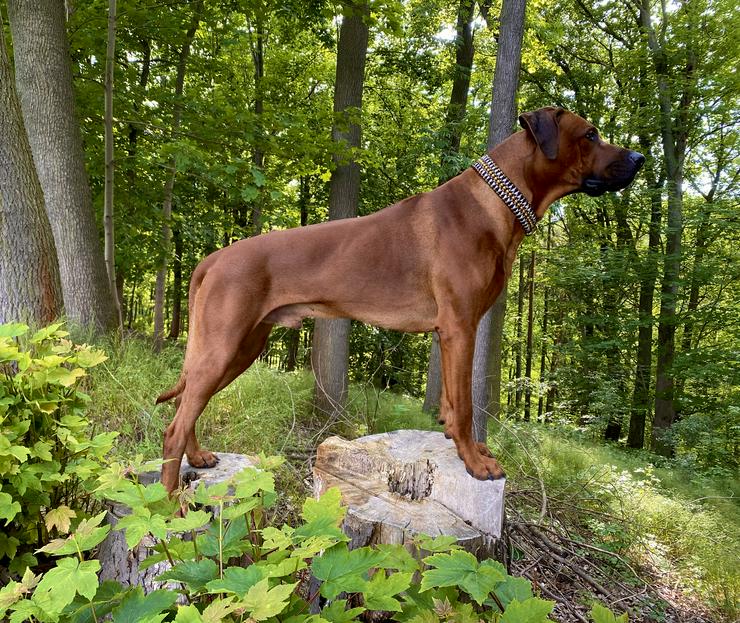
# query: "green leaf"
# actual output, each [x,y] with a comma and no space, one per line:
[312,546]
[70,577]
[8,546]
[344,570]
[188,614]
[13,329]
[237,580]
[337,612]
[321,527]
[259,177]
[328,506]
[263,603]
[49,332]
[513,588]
[27,610]
[250,481]
[242,508]
[274,538]
[449,569]
[192,521]
[8,508]
[88,358]
[64,377]
[532,610]
[381,590]
[396,557]
[249,193]
[87,535]
[107,597]
[195,574]
[219,609]
[20,564]
[59,518]
[460,568]
[442,543]
[137,607]
[600,614]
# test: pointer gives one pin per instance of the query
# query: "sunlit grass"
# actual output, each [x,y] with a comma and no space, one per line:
[682,524]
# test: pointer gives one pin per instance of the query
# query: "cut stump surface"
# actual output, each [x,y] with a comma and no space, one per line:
[400,484]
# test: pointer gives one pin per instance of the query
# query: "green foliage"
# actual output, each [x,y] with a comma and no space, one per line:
[47,459]
[273,586]
[667,516]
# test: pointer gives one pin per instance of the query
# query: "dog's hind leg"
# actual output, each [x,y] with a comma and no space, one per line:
[214,360]
[251,348]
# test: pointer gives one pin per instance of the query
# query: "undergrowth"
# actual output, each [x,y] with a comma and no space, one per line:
[679,523]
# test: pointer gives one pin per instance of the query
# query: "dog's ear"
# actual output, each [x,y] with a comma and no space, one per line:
[542,124]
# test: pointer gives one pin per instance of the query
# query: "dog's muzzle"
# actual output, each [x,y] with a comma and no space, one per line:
[618,175]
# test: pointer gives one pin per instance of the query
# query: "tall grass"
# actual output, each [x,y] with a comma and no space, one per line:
[682,524]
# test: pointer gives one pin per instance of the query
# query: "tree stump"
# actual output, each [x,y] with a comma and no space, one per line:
[400,484]
[119,563]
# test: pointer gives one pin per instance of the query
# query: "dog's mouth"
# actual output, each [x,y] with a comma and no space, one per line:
[618,175]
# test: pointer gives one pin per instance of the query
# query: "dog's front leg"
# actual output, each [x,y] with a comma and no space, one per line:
[457,343]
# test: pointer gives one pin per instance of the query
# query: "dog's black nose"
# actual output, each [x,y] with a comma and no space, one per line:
[637,158]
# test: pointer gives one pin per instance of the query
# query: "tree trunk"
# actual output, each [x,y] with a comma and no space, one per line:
[641,394]
[489,338]
[44,82]
[30,288]
[176,323]
[545,320]
[530,341]
[258,154]
[108,208]
[464,52]
[159,290]
[330,353]
[675,124]
[293,336]
[519,331]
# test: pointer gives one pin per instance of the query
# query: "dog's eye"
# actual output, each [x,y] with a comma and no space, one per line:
[592,135]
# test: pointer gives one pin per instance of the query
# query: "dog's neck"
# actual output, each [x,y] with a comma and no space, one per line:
[517,160]
[508,192]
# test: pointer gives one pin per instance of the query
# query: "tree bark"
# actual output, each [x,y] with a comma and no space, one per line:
[330,352]
[159,289]
[44,82]
[519,331]
[30,288]
[545,321]
[258,154]
[108,207]
[489,338]
[176,322]
[464,52]
[649,272]
[675,124]
[530,338]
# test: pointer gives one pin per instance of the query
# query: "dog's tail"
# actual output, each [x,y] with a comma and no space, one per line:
[176,390]
[195,282]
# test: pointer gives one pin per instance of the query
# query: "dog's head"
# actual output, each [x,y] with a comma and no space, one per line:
[571,148]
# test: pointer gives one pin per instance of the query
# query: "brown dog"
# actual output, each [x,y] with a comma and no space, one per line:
[435,261]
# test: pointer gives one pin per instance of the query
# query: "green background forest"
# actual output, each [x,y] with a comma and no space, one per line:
[201,123]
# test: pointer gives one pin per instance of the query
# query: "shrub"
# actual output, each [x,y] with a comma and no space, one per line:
[46,458]
[232,568]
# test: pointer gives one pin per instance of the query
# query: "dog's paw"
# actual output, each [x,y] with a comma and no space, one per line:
[202,458]
[484,467]
[483,449]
